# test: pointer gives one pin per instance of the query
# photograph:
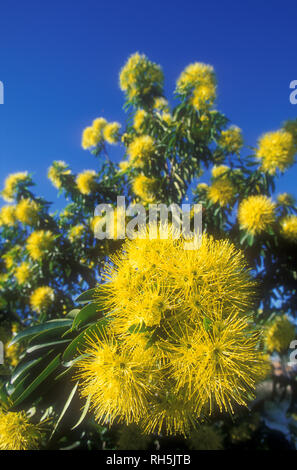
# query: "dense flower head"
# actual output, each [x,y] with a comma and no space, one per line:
[86,181]
[289,228]
[111,132]
[256,214]
[286,199]
[161,104]
[199,80]
[180,340]
[93,135]
[7,215]
[222,192]
[41,298]
[231,140]
[219,170]
[27,211]
[58,169]
[23,272]
[145,188]
[17,432]
[11,183]
[279,334]
[276,151]
[141,150]
[39,243]
[140,77]
[139,119]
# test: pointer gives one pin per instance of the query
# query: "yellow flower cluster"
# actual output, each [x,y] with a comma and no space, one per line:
[11,183]
[111,132]
[139,119]
[280,334]
[92,135]
[23,273]
[161,104]
[219,170]
[289,228]
[276,151]
[7,215]
[76,232]
[199,80]
[140,76]
[56,171]
[86,181]
[231,140]
[17,433]
[41,298]
[39,243]
[221,191]
[141,150]
[179,341]
[27,212]
[256,214]
[145,188]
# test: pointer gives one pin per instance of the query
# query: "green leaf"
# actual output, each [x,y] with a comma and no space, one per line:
[35,330]
[66,406]
[23,368]
[83,415]
[80,339]
[86,296]
[39,379]
[87,313]
[46,345]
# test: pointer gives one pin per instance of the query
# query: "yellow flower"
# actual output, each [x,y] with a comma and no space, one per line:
[86,181]
[115,378]
[161,104]
[140,76]
[289,228]
[256,214]
[221,191]
[196,75]
[99,124]
[42,298]
[141,150]
[17,433]
[27,211]
[231,140]
[23,272]
[92,135]
[145,188]
[39,243]
[203,96]
[280,334]
[206,437]
[139,119]
[111,132]
[7,215]
[180,340]
[286,199]
[202,187]
[11,183]
[219,170]
[124,165]
[9,260]
[76,232]
[276,151]
[56,171]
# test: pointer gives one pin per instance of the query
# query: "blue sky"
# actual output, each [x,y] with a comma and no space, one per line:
[59,62]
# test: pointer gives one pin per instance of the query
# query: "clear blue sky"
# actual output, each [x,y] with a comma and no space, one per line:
[59,62]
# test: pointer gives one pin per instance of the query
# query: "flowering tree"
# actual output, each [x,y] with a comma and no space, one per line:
[161,340]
